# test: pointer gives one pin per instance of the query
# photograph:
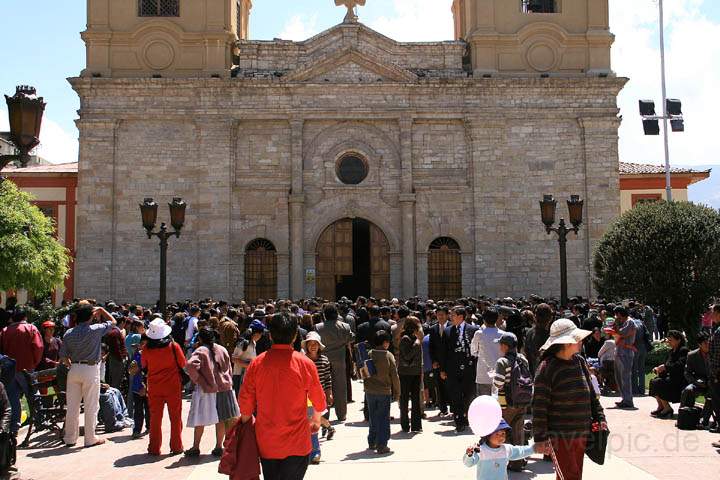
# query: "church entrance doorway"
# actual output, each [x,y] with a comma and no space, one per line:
[353,259]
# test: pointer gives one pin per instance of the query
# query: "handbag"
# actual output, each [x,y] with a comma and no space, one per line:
[184,377]
[597,438]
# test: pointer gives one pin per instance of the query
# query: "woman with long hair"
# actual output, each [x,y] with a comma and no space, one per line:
[162,359]
[213,401]
[667,387]
[564,404]
[410,367]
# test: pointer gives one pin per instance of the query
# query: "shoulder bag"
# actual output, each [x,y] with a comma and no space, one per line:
[597,438]
[184,377]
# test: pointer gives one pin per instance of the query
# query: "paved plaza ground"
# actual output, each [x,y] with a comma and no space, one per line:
[641,448]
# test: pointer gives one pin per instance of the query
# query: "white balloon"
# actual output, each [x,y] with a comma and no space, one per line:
[484,415]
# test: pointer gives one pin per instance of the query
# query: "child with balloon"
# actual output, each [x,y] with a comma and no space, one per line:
[491,455]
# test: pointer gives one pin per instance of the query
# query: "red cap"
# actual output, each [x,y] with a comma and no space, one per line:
[48,324]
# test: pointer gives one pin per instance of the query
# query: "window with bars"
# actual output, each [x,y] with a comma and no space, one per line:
[260,270]
[539,6]
[159,8]
[444,269]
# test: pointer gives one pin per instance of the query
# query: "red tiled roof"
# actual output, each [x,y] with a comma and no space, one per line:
[627,168]
[53,168]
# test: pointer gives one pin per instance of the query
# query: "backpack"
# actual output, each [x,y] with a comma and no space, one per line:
[642,335]
[521,384]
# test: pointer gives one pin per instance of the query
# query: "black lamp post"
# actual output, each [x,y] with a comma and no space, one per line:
[148,210]
[25,111]
[548,206]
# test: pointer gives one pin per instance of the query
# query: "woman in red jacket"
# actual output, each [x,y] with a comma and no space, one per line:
[163,359]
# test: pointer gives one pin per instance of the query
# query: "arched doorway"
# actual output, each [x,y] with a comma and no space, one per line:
[353,259]
[260,270]
[444,269]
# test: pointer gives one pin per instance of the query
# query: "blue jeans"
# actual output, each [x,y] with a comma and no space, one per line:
[623,376]
[15,389]
[379,416]
[314,438]
[638,372]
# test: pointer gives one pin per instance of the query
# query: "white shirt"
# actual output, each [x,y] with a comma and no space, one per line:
[239,356]
[191,328]
[483,347]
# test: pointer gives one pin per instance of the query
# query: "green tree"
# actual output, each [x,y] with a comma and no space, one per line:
[30,256]
[665,254]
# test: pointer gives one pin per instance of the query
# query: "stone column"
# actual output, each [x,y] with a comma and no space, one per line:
[297,208]
[407,208]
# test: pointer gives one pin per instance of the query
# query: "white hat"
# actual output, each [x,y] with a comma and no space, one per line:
[158,329]
[564,331]
[312,337]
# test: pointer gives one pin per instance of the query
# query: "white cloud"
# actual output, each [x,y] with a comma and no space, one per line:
[56,144]
[417,21]
[693,71]
[300,27]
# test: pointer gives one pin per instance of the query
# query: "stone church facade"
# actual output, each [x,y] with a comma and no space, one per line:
[348,163]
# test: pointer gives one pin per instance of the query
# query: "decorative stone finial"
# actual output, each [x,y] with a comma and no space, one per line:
[351,17]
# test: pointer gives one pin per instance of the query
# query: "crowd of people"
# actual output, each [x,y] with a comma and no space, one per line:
[545,365]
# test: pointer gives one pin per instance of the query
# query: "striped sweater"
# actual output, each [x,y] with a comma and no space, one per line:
[562,400]
[323,367]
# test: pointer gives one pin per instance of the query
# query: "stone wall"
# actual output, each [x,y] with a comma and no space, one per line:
[255,158]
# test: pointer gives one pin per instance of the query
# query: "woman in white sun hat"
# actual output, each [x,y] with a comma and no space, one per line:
[163,359]
[564,403]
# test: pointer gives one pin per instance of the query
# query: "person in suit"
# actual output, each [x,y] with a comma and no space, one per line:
[696,371]
[336,335]
[437,351]
[458,367]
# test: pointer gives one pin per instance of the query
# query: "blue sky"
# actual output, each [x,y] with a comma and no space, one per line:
[43,48]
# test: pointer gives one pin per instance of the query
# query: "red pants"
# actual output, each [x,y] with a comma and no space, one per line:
[569,453]
[157,402]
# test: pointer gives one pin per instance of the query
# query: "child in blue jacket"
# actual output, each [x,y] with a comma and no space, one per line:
[492,454]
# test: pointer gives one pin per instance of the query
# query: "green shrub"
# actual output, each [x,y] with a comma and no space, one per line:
[657,356]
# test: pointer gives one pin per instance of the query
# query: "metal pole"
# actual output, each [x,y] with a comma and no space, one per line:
[562,240]
[163,268]
[668,186]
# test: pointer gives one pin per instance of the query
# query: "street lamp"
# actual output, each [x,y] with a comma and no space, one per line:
[548,207]
[25,112]
[672,109]
[148,212]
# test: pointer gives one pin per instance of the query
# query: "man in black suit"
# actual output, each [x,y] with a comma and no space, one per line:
[437,350]
[696,371]
[458,366]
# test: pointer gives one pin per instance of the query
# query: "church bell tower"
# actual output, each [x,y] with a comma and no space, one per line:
[535,37]
[163,38]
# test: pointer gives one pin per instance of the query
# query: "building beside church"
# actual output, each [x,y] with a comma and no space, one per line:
[348,163]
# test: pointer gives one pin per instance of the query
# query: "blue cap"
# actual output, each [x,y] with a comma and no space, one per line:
[503,426]
[257,326]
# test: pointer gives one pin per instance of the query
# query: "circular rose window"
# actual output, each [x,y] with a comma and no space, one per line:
[351,169]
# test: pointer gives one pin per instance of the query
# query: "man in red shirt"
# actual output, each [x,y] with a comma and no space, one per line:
[22,342]
[277,387]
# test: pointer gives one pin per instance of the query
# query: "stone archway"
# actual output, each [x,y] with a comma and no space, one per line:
[353,258]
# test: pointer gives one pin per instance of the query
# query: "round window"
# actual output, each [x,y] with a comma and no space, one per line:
[351,169]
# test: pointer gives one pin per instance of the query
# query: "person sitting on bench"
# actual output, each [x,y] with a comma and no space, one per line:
[696,371]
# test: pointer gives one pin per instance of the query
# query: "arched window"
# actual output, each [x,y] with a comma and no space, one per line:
[260,270]
[159,8]
[444,269]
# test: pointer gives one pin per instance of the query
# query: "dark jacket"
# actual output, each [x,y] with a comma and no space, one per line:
[437,344]
[367,330]
[458,362]
[675,368]
[5,410]
[696,369]
[410,357]
[534,339]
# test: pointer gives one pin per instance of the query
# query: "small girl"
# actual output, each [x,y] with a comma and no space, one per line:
[492,454]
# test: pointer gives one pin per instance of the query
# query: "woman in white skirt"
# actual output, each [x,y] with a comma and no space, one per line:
[213,401]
